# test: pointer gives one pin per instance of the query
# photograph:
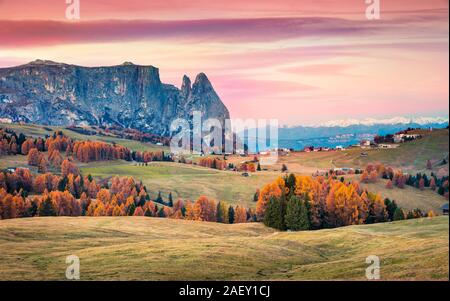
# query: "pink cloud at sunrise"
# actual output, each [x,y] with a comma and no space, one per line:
[295,60]
[205,9]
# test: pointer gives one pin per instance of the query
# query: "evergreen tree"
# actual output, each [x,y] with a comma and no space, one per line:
[290,183]
[273,216]
[391,207]
[142,201]
[297,215]
[398,215]
[47,208]
[231,215]
[219,214]
[282,212]
[130,210]
[32,210]
[256,196]
[63,184]
[148,213]
[159,199]
[161,212]
[170,204]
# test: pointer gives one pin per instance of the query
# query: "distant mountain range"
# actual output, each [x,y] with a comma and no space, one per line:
[347,133]
[127,95]
[422,121]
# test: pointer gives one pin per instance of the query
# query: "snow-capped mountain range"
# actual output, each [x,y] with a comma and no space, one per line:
[387,121]
[351,131]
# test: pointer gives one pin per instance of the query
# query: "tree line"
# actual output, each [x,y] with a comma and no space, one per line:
[307,203]
[396,178]
[84,150]
[23,194]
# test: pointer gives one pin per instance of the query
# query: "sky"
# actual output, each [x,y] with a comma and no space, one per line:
[298,61]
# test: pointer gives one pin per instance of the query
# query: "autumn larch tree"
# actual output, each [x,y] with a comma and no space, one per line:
[42,166]
[33,157]
[240,215]
[389,184]
[138,212]
[220,213]
[8,207]
[130,206]
[68,167]
[272,189]
[27,145]
[55,159]
[204,209]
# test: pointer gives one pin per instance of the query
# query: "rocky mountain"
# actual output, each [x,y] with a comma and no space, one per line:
[128,95]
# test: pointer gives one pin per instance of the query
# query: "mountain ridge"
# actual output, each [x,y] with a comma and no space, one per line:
[128,95]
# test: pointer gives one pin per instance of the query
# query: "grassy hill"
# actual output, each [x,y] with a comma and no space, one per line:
[140,248]
[410,157]
[409,197]
[188,181]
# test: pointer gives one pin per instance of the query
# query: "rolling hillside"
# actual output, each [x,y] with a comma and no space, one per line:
[188,181]
[140,248]
[410,157]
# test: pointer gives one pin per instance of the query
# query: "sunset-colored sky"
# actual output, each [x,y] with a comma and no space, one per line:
[300,61]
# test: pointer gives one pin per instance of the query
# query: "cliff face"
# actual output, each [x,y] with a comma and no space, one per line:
[128,95]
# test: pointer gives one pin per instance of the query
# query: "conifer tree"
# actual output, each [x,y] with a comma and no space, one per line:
[399,215]
[231,215]
[159,199]
[148,213]
[391,207]
[290,183]
[161,212]
[170,203]
[47,208]
[297,215]
[219,213]
[131,208]
[273,217]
